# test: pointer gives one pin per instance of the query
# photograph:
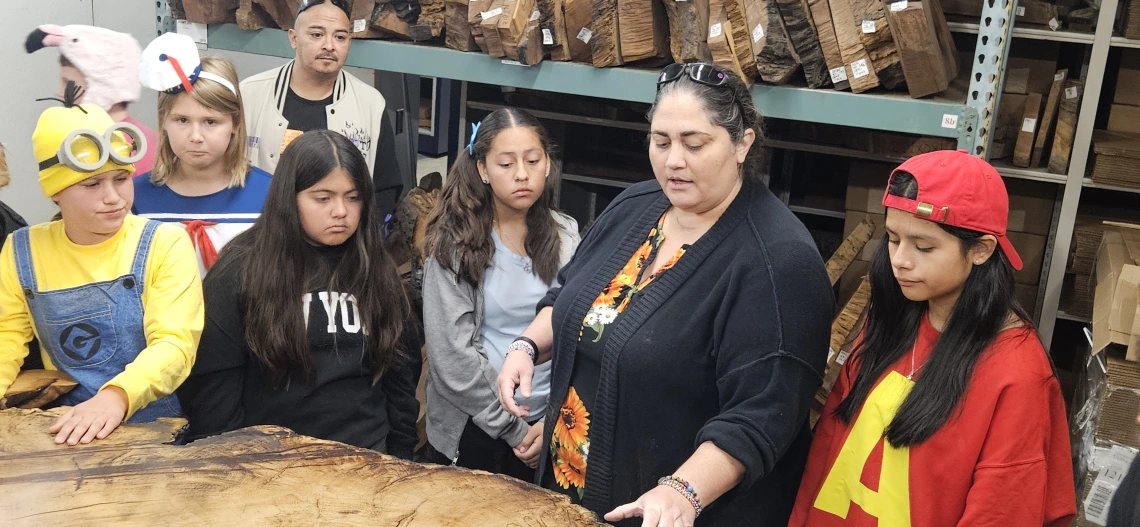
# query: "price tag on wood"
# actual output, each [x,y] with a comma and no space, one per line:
[1071,92]
[838,75]
[547,38]
[359,25]
[859,68]
[585,34]
[868,26]
[487,15]
[715,30]
[534,15]
[1028,125]
[757,33]
[899,6]
[1060,76]
[1020,11]
[1054,24]
[949,120]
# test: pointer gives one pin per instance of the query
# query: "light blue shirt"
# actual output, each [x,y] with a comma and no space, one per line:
[511,292]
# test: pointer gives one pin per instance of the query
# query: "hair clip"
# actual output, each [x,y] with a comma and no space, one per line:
[474,132]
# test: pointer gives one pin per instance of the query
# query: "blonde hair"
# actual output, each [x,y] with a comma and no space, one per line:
[5,177]
[218,98]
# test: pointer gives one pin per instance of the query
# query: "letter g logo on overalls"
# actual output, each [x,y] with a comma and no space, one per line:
[80,341]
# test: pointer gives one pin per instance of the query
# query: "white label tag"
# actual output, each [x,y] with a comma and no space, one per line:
[830,354]
[359,25]
[1054,24]
[192,30]
[1020,10]
[492,13]
[509,62]
[547,38]
[1028,125]
[1115,466]
[842,357]
[898,6]
[838,75]
[535,15]
[715,30]
[949,120]
[859,68]
[1071,92]
[868,26]
[585,34]
[757,33]
[1060,76]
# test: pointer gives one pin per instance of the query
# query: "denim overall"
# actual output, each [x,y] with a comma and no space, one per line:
[95,330]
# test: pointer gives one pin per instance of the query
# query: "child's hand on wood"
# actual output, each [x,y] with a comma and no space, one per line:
[94,418]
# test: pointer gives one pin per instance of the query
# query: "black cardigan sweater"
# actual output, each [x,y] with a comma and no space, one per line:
[727,346]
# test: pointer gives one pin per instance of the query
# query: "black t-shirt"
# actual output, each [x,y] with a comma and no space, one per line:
[1125,510]
[229,388]
[304,115]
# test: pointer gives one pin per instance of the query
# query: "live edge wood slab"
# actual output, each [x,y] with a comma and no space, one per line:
[251,477]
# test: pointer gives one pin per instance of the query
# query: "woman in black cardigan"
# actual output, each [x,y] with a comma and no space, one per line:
[689,334]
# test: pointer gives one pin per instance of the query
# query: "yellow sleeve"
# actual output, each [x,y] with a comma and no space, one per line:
[15,319]
[172,320]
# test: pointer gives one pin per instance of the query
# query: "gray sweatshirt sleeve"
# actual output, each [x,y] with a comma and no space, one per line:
[457,365]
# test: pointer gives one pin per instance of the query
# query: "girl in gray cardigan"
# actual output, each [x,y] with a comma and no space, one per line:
[496,244]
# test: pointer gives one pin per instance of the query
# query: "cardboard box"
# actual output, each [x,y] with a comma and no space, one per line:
[1030,206]
[853,219]
[1117,283]
[866,183]
[1124,118]
[1128,79]
[1031,248]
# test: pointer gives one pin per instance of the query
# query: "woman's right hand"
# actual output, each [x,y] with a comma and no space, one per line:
[517,371]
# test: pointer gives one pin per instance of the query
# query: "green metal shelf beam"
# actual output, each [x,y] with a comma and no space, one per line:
[893,112]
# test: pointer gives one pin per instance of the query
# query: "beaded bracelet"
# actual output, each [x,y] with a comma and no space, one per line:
[525,344]
[685,489]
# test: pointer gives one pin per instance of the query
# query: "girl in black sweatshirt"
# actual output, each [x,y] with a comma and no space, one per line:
[305,314]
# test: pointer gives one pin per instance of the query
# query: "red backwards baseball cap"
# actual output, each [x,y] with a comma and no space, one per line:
[958,189]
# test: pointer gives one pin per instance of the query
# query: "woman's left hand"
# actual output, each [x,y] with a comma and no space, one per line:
[661,507]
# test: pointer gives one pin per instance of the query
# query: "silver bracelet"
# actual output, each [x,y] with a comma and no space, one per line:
[522,344]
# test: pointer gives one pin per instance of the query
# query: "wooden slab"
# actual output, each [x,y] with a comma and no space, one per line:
[720,40]
[260,476]
[856,61]
[490,25]
[1027,133]
[283,12]
[251,16]
[870,19]
[777,60]
[531,50]
[829,44]
[36,388]
[553,29]
[844,332]
[1035,12]
[644,30]
[801,33]
[605,43]
[1048,118]
[688,30]
[512,23]
[578,32]
[211,11]
[431,15]
[457,34]
[735,12]
[1066,124]
[475,10]
[850,249]
[916,36]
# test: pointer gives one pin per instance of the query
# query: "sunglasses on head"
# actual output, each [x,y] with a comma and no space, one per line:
[342,4]
[699,72]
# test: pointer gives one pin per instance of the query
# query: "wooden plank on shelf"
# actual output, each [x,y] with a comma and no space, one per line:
[1066,125]
[577,17]
[688,30]
[777,60]
[214,11]
[431,15]
[457,34]
[644,30]
[251,16]
[829,44]
[720,40]
[736,15]
[531,50]
[870,17]
[1023,149]
[916,38]
[802,35]
[1035,12]
[1049,118]
[475,10]
[849,250]
[605,43]
[856,61]
[283,12]
[512,23]
[552,27]
[490,25]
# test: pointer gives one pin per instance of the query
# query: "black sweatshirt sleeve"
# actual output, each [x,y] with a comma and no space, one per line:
[387,178]
[399,384]
[771,357]
[212,396]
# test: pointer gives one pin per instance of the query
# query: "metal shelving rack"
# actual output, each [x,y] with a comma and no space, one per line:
[968,120]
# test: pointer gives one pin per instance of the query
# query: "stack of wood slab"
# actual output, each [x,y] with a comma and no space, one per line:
[417,20]
[1130,19]
[1038,112]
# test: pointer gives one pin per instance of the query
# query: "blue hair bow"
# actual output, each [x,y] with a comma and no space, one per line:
[474,132]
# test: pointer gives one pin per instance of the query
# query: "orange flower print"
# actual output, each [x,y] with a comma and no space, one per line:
[569,468]
[573,422]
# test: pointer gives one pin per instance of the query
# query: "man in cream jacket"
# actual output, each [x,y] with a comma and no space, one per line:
[313,92]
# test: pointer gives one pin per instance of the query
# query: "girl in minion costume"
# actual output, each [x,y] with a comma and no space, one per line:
[114,299]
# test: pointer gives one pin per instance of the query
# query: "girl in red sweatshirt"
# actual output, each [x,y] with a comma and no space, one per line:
[948,412]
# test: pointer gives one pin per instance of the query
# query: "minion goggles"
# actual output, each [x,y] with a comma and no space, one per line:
[87,150]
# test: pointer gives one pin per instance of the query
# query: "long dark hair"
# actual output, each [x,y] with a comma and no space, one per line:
[459,229]
[982,310]
[279,266]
